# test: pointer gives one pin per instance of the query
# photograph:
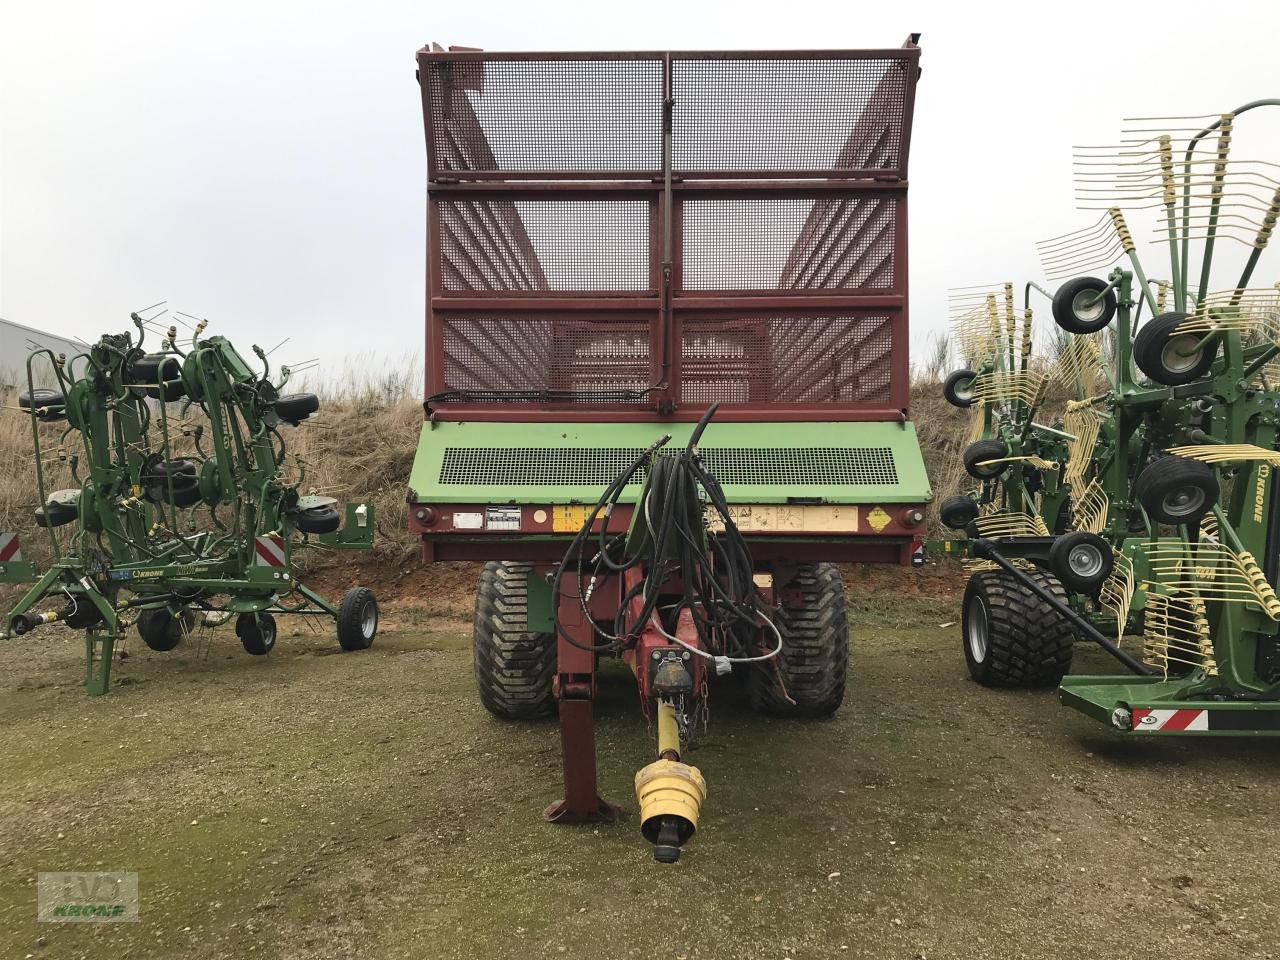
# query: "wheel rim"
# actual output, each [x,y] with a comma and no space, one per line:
[977,624]
[1086,561]
[1087,305]
[1180,354]
[963,389]
[368,618]
[1183,502]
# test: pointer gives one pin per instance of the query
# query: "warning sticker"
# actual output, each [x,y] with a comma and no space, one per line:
[503,518]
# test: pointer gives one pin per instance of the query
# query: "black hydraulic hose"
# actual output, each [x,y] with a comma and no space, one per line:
[984,549]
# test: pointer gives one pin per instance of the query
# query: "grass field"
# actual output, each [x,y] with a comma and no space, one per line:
[318,804]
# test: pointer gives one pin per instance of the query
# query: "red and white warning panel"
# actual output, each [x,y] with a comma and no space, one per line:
[10,548]
[1169,721]
[269,551]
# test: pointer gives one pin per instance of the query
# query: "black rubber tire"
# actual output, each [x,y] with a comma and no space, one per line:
[357,619]
[53,400]
[293,408]
[162,631]
[958,388]
[514,668]
[1070,550]
[317,520]
[958,512]
[185,474]
[1094,317]
[814,662]
[1157,351]
[1065,519]
[56,514]
[257,632]
[1028,643]
[1176,490]
[982,450]
[147,372]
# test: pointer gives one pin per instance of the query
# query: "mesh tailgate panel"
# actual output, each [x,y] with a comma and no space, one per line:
[789,244]
[544,245]
[540,115]
[800,359]
[785,114]
[532,354]
[543,466]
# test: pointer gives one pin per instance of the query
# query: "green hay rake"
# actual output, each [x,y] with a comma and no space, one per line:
[1149,507]
[181,514]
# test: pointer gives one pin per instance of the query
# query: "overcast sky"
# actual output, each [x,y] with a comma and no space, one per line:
[262,164]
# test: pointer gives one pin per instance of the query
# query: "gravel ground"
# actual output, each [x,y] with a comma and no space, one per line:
[319,804]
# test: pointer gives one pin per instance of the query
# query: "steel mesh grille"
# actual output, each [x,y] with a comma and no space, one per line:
[595,466]
[785,114]
[573,115]
[544,245]
[536,353]
[789,244]
[798,359]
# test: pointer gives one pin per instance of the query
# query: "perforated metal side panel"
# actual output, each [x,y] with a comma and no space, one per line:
[546,466]
[537,115]
[787,114]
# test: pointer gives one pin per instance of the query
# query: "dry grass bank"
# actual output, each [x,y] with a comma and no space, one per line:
[361,446]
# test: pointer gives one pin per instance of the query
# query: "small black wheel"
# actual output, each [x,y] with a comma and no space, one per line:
[1081,561]
[50,405]
[63,508]
[175,481]
[357,619]
[1175,490]
[1168,357]
[958,512]
[257,632]
[1084,305]
[814,663]
[154,374]
[958,388]
[317,520]
[1011,637]
[293,408]
[161,630]
[979,453]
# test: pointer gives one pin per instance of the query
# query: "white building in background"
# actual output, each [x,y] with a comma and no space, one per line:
[16,344]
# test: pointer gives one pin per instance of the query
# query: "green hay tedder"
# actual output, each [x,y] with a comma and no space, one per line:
[180,513]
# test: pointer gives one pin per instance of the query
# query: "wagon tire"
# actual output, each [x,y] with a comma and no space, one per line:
[514,666]
[814,662]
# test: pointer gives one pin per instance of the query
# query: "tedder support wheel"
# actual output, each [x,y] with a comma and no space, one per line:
[958,388]
[1084,305]
[814,662]
[1012,638]
[257,632]
[1081,561]
[161,630]
[514,666]
[958,512]
[357,619]
[1176,490]
[979,452]
[1168,357]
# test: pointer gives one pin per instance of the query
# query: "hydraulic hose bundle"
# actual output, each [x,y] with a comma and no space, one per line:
[670,542]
